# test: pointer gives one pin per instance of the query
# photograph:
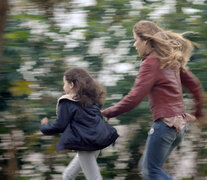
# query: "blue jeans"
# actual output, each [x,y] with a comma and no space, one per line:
[162,139]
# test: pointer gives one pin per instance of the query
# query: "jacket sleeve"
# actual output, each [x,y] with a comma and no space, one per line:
[190,82]
[64,117]
[143,84]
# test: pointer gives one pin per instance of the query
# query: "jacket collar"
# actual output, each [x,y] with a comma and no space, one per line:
[152,53]
[66,96]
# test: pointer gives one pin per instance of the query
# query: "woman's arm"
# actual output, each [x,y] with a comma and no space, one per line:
[143,84]
[194,86]
[64,116]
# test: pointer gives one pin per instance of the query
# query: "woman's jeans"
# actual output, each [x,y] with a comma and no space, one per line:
[85,160]
[162,139]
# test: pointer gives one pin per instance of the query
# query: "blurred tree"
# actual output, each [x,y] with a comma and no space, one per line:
[4,7]
[9,165]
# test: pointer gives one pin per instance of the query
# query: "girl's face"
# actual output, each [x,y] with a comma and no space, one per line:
[68,87]
[141,46]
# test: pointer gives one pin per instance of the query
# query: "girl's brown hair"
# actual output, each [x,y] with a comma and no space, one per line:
[172,49]
[86,89]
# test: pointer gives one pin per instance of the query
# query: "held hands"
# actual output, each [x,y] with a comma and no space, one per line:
[44,120]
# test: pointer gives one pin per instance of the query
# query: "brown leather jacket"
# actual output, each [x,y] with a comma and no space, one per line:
[164,90]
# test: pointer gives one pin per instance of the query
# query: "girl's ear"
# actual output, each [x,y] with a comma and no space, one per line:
[71,85]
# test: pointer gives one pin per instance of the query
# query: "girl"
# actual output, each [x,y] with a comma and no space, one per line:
[161,76]
[80,121]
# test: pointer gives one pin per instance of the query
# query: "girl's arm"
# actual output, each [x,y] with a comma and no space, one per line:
[64,116]
[194,86]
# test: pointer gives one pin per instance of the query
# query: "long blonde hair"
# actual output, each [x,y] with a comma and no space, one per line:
[172,49]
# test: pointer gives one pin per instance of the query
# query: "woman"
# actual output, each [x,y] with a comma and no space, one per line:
[161,76]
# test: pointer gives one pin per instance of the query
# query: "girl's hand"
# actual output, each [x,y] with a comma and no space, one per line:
[44,120]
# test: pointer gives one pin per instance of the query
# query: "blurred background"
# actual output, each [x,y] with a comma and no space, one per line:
[39,40]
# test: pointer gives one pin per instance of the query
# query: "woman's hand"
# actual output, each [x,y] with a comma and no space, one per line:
[107,118]
[201,122]
[44,120]
[104,116]
[190,117]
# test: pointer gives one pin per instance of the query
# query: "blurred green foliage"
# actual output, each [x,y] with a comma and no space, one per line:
[37,50]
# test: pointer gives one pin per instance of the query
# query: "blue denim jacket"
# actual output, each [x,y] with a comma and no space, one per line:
[82,128]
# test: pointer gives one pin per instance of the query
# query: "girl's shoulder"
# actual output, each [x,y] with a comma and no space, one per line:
[66,98]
